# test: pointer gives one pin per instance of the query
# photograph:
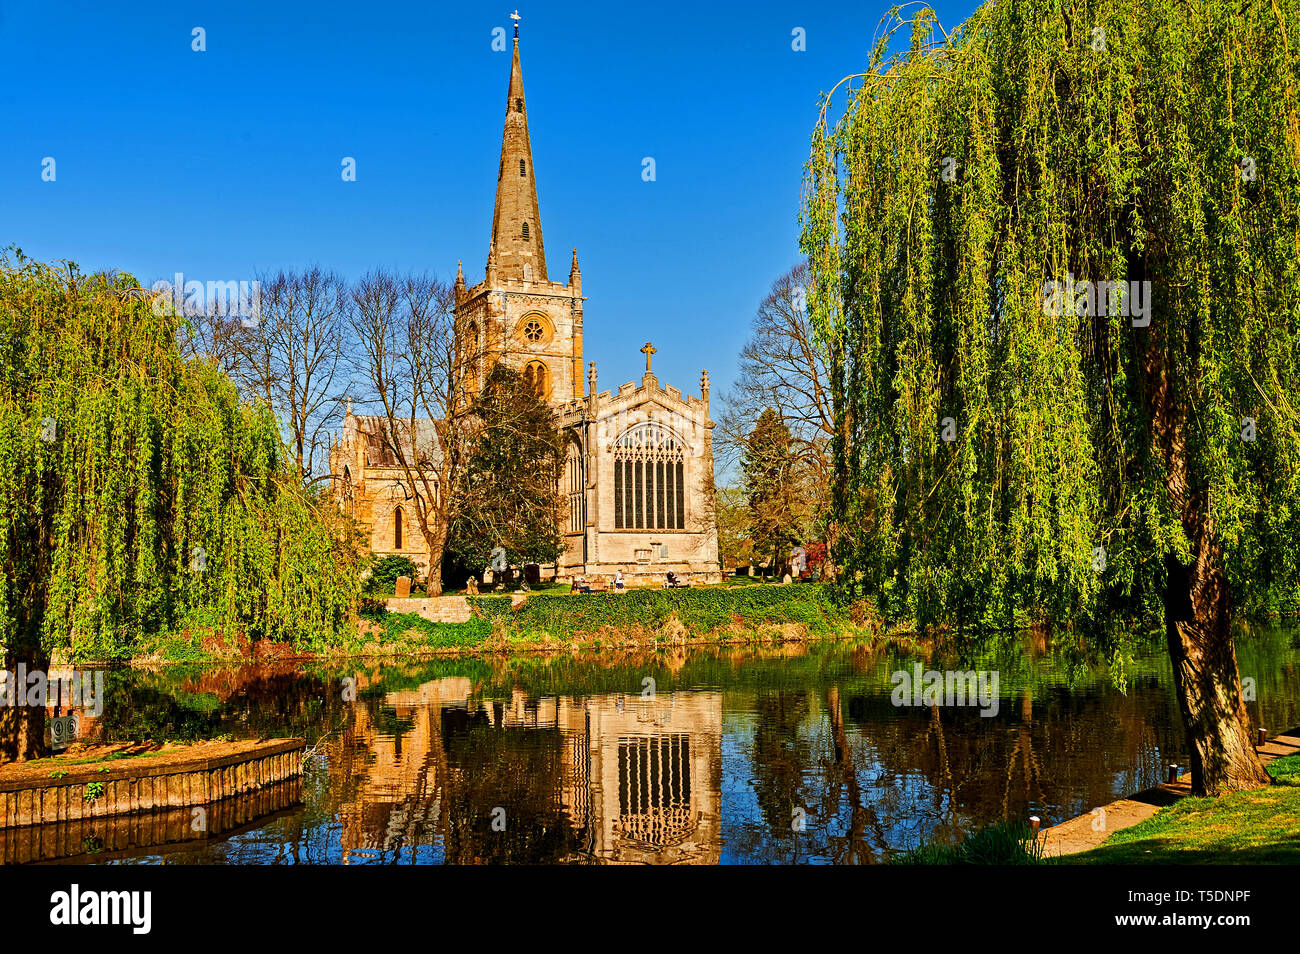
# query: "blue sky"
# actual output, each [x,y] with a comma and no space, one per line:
[224,163]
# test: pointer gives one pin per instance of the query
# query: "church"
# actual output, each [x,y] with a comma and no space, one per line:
[638,469]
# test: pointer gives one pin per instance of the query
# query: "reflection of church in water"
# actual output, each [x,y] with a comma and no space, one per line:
[628,779]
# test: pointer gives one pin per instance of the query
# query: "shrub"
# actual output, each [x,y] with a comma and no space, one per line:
[703,610]
[384,573]
[1005,843]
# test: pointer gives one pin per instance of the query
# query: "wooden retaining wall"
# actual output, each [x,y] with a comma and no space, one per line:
[170,831]
[133,785]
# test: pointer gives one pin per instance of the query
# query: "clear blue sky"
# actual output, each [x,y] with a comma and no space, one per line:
[224,163]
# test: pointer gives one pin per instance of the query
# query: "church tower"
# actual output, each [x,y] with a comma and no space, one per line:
[516,314]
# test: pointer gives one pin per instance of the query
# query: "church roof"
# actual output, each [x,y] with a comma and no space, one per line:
[370,431]
[516,218]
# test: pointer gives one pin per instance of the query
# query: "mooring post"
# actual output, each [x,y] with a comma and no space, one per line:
[1173,774]
[1034,822]
[1263,737]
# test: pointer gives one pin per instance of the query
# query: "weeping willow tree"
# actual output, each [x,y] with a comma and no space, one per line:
[1055,271]
[136,491]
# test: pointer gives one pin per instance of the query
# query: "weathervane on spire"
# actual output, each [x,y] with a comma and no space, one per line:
[516,17]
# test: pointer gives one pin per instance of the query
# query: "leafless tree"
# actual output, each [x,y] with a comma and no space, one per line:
[413,368]
[784,367]
[213,336]
[293,357]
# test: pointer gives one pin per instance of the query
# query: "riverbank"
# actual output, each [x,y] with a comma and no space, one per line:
[554,621]
[1256,827]
[1165,825]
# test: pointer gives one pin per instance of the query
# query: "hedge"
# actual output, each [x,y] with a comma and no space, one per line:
[699,610]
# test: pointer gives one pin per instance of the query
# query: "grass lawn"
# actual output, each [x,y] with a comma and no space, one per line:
[1259,827]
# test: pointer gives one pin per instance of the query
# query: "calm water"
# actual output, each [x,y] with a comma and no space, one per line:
[793,754]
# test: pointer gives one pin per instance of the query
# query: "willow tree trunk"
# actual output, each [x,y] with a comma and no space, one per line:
[1198,631]
[1198,606]
[22,733]
[22,727]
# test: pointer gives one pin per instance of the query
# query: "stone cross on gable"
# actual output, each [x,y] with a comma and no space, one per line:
[648,350]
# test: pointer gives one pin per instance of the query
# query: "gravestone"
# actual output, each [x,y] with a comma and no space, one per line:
[786,578]
[471,587]
[403,587]
[532,574]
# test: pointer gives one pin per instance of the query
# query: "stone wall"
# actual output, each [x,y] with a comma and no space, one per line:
[439,609]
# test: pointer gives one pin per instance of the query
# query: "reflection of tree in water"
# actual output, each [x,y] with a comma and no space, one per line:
[780,756]
[518,770]
[247,702]
[399,779]
[876,779]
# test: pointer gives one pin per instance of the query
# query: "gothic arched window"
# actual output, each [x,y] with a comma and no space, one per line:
[538,377]
[521,169]
[349,493]
[575,474]
[525,231]
[397,529]
[519,105]
[650,479]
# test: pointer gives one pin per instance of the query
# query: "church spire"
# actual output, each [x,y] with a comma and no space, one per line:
[516,220]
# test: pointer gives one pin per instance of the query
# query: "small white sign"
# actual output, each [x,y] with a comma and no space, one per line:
[63,731]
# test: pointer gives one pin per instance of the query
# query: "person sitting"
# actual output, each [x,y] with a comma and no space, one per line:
[580,585]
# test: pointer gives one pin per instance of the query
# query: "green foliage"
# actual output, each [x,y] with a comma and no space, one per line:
[1006,843]
[735,548]
[385,571]
[413,632]
[701,611]
[136,489]
[771,489]
[1109,140]
[1256,827]
[509,496]
[93,791]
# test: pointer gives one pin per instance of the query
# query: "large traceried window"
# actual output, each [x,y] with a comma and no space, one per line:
[649,479]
